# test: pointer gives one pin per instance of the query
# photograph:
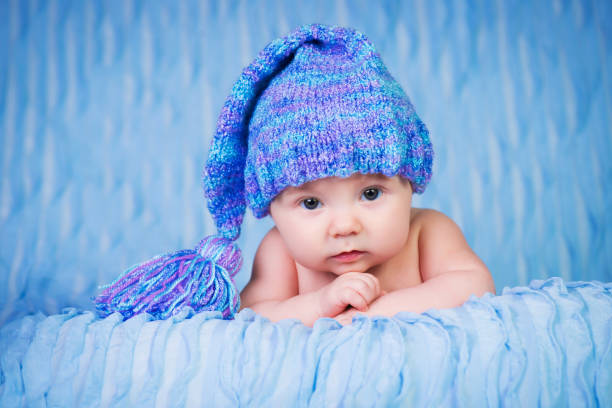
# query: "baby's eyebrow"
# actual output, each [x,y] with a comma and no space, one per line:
[292,191]
[302,189]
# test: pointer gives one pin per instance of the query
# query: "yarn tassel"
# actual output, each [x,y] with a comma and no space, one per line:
[201,279]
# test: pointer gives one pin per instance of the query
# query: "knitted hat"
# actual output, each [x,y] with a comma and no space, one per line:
[316,103]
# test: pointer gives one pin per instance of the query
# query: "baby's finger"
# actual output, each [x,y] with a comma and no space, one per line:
[352,297]
[367,286]
[346,317]
[373,282]
[360,287]
[343,319]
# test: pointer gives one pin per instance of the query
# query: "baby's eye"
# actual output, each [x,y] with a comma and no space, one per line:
[371,193]
[310,203]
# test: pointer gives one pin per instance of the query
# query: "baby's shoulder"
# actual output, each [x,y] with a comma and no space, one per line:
[272,242]
[442,246]
[272,258]
[428,218]
[434,229]
[436,233]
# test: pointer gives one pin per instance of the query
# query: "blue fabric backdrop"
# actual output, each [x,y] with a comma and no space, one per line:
[107,109]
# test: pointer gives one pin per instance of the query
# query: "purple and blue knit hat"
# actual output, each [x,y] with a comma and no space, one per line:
[316,103]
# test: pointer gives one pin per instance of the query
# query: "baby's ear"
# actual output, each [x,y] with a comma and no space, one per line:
[406,182]
[275,201]
[281,198]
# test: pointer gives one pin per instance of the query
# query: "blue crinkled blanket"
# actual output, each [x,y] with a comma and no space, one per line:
[548,344]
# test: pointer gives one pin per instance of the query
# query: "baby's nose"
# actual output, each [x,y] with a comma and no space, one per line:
[344,224]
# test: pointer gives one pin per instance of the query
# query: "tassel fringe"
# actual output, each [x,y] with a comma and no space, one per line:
[201,279]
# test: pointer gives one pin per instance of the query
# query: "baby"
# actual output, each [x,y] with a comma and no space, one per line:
[318,134]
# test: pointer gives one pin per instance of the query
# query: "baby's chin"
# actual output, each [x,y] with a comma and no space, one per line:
[359,267]
[333,270]
[334,267]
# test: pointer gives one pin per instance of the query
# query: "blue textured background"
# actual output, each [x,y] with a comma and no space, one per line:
[107,109]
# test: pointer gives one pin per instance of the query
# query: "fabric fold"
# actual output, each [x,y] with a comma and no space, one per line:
[548,343]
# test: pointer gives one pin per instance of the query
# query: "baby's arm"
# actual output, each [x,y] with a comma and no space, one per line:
[273,290]
[451,272]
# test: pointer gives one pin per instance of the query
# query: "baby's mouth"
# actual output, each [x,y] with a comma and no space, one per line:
[349,256]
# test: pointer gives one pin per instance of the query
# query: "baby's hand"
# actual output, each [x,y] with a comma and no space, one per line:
[354,289]
[346,317]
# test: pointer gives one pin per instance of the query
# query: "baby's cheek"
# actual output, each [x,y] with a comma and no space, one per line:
[303,251]
[392,240]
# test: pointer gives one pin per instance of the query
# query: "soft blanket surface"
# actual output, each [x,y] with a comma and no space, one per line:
[548,344]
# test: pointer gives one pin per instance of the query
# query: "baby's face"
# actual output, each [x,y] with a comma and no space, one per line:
[342,225]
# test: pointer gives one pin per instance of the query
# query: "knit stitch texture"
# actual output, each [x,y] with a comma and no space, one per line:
[316,103]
